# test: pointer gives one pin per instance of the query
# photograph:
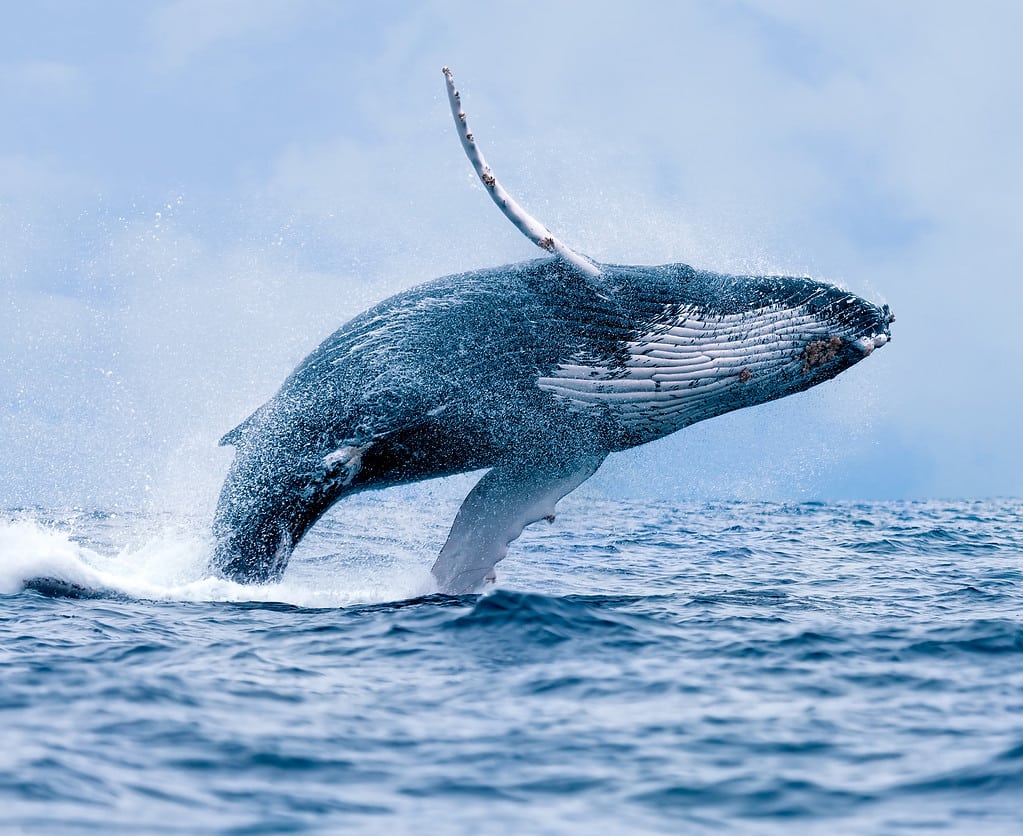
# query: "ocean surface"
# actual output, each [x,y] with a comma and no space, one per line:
[637,668]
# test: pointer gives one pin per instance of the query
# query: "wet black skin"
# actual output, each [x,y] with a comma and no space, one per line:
[442,379]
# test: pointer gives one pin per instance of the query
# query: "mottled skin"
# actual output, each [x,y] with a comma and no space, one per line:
[443,379]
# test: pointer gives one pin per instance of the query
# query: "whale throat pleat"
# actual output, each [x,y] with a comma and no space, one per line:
[683,367]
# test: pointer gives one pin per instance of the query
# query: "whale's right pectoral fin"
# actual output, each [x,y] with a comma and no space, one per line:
[495,512]
[523,221]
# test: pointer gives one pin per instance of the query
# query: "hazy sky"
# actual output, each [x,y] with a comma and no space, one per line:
[194,193]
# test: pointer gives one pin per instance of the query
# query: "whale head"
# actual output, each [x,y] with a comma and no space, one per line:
[766,337]
[703,344]
[756,339]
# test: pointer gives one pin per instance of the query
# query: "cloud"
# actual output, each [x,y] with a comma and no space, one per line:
[185,28]
[41,81]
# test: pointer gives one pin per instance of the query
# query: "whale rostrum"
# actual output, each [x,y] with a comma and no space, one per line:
[535,371]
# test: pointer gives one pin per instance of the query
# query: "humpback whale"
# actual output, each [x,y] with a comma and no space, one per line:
[534,371]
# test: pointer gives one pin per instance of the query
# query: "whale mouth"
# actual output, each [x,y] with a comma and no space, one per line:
[878,336]
[867,327]
[881,336]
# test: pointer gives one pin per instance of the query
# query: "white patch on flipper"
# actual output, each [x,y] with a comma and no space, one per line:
[495,512]
[677,373]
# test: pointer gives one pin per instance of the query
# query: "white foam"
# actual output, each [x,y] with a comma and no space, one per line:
[171,565]
[28,550]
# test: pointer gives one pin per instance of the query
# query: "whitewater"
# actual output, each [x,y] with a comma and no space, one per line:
[638,667]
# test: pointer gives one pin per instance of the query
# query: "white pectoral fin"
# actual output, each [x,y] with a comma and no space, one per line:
[524,222]
[495,512]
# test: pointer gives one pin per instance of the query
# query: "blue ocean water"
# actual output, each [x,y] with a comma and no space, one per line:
[639,667]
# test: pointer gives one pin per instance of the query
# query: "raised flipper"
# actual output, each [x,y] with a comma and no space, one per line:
[524,222]
[495,512]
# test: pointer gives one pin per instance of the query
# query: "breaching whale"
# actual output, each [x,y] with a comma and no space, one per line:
[535,371]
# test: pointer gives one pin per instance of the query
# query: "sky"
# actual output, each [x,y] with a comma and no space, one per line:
[193,194]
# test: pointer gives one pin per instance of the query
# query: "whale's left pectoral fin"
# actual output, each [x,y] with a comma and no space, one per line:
[495,512]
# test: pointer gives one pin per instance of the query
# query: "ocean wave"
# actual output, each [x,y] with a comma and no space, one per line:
[760,675]
[548,620]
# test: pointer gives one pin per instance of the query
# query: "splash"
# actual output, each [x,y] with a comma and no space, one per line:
[169,563]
